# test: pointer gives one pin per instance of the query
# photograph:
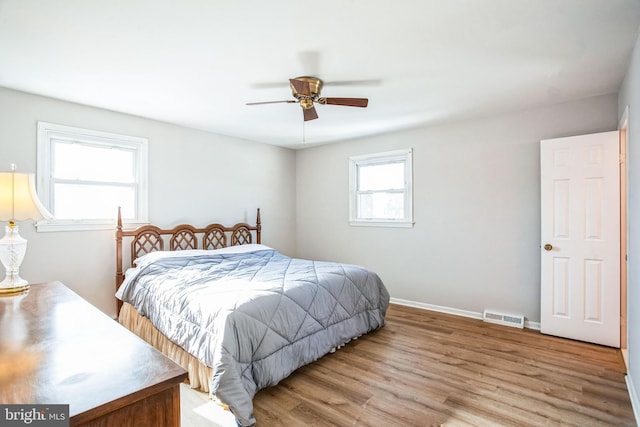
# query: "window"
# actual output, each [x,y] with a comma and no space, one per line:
[84,175]
[381,189]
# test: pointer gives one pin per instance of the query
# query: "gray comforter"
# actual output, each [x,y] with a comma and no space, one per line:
[255,316]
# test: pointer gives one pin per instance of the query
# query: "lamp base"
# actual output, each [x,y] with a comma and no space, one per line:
[12,250]
[13,284]
[12,291]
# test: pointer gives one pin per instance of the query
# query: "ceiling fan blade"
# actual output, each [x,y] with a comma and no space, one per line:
[310,114]
[290,101]
[268,85]
[370,82]
[301,87]
[348,102]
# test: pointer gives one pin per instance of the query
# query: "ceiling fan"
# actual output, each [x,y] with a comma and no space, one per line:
[306,91]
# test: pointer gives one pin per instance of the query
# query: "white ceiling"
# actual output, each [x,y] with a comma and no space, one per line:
[197,62]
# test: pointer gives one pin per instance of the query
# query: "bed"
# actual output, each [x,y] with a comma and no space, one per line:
[237,314]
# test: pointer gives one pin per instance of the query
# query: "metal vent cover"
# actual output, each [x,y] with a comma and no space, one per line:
[514,320]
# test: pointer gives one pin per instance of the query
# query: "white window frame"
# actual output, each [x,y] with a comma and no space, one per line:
[47,132]
[355,162]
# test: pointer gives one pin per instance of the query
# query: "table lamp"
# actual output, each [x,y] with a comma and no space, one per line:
[18,202]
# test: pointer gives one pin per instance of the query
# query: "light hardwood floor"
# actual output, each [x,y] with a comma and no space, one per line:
[432,369]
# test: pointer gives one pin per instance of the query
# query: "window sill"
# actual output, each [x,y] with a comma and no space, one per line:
[393,224]
[53,226]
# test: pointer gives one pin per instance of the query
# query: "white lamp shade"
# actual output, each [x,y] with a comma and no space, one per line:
[18,198]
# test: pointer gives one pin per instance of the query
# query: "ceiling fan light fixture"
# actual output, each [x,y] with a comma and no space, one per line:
[306,103]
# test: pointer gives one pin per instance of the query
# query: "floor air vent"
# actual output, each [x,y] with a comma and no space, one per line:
[516,321]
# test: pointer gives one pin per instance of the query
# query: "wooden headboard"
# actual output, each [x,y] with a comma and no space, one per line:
[150,238]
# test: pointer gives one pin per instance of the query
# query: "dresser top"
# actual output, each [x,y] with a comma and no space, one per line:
[56,348]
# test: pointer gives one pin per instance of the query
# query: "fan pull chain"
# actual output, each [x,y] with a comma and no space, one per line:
[304,137]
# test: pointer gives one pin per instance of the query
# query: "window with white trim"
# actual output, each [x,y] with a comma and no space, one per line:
[381,192]
[84,175]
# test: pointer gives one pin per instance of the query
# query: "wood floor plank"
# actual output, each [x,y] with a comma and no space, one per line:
[429,368]
[425,368]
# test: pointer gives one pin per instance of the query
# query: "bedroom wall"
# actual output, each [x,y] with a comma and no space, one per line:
[195,177]
[630,97]
[476,239]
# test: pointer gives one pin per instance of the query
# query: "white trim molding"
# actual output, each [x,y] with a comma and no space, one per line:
[50,134]
[404,157]
[633,396]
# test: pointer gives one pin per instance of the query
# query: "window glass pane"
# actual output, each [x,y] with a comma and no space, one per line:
[381,206]
[380,188]
[93,201]
[84,175]
[92,163]
[387,176]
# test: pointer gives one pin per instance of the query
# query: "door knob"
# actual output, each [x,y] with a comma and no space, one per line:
[548,247]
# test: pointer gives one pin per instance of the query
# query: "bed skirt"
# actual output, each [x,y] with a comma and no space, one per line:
[199,374]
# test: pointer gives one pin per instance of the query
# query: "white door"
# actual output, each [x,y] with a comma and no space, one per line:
[581,238]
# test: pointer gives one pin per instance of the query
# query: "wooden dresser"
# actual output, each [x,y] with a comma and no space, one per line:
[56,348]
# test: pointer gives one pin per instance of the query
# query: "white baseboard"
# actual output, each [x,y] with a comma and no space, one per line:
[635,404]
[454,311]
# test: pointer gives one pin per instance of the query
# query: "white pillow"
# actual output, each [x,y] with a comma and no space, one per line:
[239,249]
[147,259]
